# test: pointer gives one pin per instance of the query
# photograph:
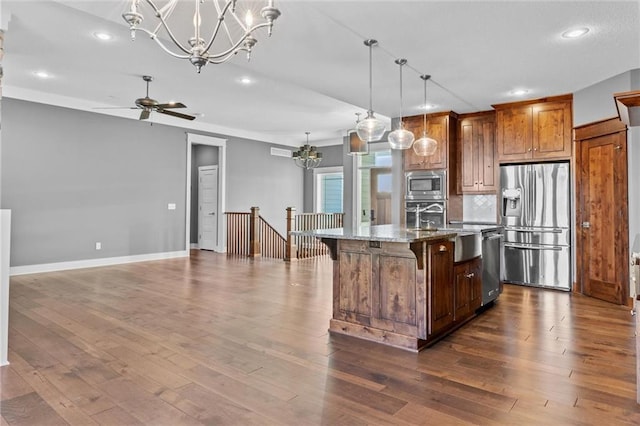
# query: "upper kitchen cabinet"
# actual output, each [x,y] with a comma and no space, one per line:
[441,127]
[477,150]
[539,129]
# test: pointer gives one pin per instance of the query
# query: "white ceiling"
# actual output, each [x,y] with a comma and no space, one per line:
[312,74]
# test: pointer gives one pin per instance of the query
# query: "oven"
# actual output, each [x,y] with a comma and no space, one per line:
[426,185]
[425,214]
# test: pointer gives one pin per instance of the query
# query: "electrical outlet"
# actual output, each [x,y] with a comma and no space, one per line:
[98,246]
[171,206]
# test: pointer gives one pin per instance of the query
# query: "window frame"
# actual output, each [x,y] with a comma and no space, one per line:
[318,172]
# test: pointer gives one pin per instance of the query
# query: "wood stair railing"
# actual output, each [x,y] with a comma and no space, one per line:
[248,234]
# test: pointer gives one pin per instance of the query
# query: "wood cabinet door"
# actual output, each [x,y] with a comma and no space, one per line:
[440,286]
[462,291]
[475,270]
[514,133]
[487,176]
[412,161]
[437,128]
[477,155]
[469,157]
[602,216]
[552,130]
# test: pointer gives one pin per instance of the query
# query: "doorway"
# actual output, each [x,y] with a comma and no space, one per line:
[191,175]
[373,186]
[602,221]
[207,207]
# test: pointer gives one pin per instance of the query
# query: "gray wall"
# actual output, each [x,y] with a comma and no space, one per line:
[201,155]
[596,103]
[74,178]
[257,178]
[331,157]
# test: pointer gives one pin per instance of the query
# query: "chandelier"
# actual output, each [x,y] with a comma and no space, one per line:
[307,156]
[225,24]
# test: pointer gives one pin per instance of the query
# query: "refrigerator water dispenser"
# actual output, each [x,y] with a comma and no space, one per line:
[511,202]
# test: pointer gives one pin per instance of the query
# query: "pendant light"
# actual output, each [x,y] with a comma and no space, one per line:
[370,129]
[356,145]
[425,145]
[400,138]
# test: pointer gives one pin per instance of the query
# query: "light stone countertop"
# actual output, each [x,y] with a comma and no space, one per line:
[389,233]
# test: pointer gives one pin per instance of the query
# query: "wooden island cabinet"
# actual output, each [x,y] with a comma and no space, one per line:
[539,129]
[396,286]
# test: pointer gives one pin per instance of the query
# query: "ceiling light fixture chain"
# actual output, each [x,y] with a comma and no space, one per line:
[425,146]
[198,50]
[307,156]
[401,138]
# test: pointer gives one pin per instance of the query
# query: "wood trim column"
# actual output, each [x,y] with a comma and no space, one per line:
[291,250]
[254,232]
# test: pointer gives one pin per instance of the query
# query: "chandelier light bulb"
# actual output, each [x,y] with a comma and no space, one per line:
[249,19]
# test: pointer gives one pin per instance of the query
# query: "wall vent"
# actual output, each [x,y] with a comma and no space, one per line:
[279,152]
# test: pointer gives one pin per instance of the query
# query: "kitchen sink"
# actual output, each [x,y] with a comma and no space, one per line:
[467,245]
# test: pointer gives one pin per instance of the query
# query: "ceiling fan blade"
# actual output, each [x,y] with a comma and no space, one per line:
[177,114]
[144,114]
[172,105]
[121,107]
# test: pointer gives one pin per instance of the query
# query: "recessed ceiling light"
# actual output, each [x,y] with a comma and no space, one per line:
[428,106]
[42,74]
[102,36]
[246,80]
[518,92]
[575,33]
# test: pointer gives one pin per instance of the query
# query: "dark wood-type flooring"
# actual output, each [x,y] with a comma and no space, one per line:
[224,340]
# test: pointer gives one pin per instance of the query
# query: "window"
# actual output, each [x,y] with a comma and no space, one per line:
[373,185]
[328,187]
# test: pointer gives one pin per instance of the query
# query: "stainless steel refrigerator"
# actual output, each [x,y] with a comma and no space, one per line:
[536,215]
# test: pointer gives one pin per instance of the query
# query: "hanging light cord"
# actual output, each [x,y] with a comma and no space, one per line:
[400,123]
[370,78]
[424,122]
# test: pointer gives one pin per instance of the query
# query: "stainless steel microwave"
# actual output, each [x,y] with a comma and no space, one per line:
[426,185]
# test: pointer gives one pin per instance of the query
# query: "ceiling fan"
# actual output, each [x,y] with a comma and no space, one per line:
[147,105]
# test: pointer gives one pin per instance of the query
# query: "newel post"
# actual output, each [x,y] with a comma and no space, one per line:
[290,251]
[254,232]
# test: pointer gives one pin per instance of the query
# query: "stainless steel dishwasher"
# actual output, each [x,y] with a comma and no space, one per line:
[491,265]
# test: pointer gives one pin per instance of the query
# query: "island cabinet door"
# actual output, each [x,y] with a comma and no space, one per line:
[441,302]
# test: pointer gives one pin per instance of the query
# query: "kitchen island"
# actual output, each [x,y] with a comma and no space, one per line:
[397,286]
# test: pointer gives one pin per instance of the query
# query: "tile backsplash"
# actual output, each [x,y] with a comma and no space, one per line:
[479,208]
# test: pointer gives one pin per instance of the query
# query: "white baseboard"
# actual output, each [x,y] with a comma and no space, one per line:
[92,263]
[195,246]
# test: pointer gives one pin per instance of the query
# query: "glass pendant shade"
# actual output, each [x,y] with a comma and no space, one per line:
[370,129]
[425,146]
[400,138]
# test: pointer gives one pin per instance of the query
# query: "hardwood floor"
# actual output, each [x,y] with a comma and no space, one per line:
[224,340]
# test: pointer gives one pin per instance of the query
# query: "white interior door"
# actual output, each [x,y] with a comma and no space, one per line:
[207,207]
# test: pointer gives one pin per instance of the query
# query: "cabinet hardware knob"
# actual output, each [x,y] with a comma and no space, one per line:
[443,248]
[529,150]
[618,147]
[471,275]
[480,183]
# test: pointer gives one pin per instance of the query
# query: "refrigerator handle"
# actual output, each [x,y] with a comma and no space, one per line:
[531,247]
[554,230]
